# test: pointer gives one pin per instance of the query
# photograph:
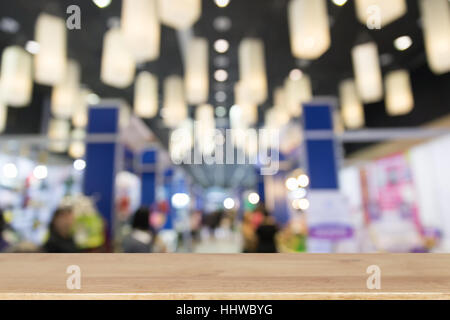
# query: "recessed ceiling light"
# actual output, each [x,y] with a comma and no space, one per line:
[222,3]
[102,3]
[296,74]
[221,61]
[221,45]
[221,96]
[339,2]
[221,75]
[9,25]
[32,47]
[222,23]
[402,43]
[221,111]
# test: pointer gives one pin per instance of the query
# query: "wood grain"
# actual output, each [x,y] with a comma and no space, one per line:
[209,276]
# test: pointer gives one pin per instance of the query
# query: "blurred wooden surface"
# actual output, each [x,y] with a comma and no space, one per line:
[206,276]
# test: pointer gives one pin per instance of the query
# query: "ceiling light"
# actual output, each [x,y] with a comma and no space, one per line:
[339,2]
[32,47]
[295,74]
[221,75]
[180,200]
[79,164]
[102,3]
[222,3]
[93,99]
[9,25]
[40,172]
[221,61]
[221,45]
[221,96]
[221,111]
[403,43]
[228,203]
[253,198]
[222,24]
[10,171]
[292,184]
[303,180]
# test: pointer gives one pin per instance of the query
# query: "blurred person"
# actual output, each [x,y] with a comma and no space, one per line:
[61,232]
[266,234]
[248,234]
[142,238]
[3,243]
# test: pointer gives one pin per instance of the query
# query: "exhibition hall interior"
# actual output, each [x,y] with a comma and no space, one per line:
[224,126]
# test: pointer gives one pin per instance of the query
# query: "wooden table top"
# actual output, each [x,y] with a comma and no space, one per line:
[232,276]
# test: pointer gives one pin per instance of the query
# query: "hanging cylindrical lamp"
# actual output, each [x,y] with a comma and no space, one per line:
[141,29]
[309,28]
[179,14]
[124,115]
[378,13]
[297,92]
[367,70]
[16,78]
[279,102]
[399,94]
[51,60]
[252,69]
[205,126]
[118,65]
[248,108]
[174,103]
[80,115]
[146,95]
[65,96]
[3,116]
[77,146]
[59,135]
[436,28]
[352,109]
[196,71]
[274,119]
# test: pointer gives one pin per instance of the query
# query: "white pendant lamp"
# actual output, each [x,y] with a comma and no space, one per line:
[274,119]
[16,78]
[3,116]
[59,134]
[252,68]
[124,115]
[205,128]
[309,28]
[141,29]
[80,115]
[181,140]
[367,70]
[51,60]
[379,12]
[279,102]
[179,14]
[249,109]
[146,95]
[65,96]
[77,147]
[118,65]
[196,71]
[352,109]
[436,28]
[174,103]
[297,92]
[399,94]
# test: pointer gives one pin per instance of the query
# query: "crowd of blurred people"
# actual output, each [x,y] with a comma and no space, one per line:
[257,229]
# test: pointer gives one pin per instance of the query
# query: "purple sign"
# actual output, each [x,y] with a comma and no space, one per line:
[331,231]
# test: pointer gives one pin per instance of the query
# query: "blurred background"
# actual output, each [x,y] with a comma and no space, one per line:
[225,126]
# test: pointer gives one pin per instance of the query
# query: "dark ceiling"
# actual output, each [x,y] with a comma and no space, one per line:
[266,19]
